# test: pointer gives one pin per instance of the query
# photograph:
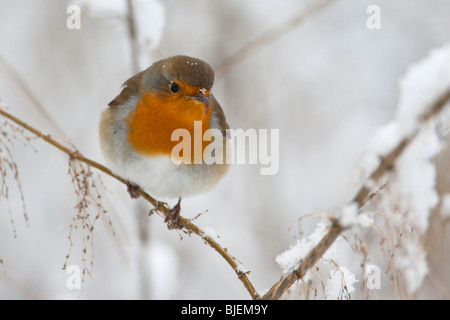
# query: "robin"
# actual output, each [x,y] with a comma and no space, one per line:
[136,131]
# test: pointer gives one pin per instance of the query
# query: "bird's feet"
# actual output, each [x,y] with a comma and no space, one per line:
[133,190]
[173,215]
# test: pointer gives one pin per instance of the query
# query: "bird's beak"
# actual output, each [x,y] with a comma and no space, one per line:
[203,97]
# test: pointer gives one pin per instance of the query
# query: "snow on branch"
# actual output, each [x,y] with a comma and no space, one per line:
[398,180]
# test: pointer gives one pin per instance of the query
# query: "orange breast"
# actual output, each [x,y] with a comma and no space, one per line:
[156,117]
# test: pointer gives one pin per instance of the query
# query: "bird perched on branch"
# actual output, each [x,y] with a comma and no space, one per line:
[137,131]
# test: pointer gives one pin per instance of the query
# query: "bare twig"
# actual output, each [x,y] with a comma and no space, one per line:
[88,197]
[270,36]
[9,135]
[134,44]
[20,82]
[160,207]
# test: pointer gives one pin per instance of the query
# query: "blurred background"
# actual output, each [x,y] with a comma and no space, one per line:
[318,74]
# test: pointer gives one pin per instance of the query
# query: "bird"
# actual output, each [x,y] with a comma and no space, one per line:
[136,131]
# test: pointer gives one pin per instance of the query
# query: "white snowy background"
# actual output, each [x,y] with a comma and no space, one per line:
[328,84]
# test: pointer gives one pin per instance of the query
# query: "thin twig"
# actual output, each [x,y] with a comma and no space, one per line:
[20,82]
[270,36]
[132,31]
[160,207]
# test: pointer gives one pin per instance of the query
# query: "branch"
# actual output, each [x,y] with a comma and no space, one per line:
[269,36]
[387,163]
[131,20]
[159,207]
[285,282]
[21,84]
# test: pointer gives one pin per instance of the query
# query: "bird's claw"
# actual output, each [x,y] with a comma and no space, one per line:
[133,190]
[172,216]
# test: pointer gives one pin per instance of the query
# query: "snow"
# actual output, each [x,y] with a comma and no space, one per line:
[416,176]
[290,259]
[242,269]
[413,265]
[208,232]
[410,192]
[350,216]
[340,284]
[386,138]
[423,83]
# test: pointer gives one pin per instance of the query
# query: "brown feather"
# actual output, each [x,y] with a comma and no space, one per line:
[219,116]
[131,87]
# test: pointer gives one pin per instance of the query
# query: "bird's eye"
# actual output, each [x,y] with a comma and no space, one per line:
[174,87]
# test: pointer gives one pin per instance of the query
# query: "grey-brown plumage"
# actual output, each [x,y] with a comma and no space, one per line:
[160,74]
[158,174]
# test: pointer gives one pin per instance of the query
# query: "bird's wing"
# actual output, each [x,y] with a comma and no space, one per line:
[218,120]
[130,87]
